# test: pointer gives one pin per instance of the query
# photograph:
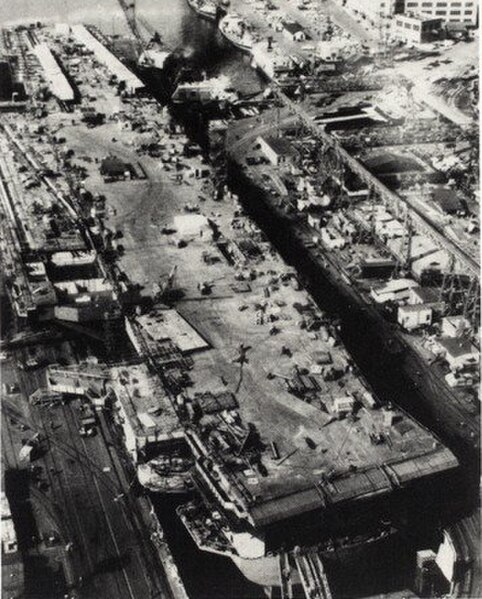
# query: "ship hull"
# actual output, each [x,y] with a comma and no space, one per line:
[244,47]
[265,571]
[384,341]
[204,14]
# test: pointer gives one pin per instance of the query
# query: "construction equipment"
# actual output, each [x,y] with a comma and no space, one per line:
[166,288]
[142,30]
[419,219]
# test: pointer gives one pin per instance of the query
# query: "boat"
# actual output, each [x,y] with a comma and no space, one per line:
[235,30]
[248,550]
[165,474]
[207,9]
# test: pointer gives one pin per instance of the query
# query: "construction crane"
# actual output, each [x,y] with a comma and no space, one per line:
[419,218]
[165,288]
[129,8]
[405,259]
[142,30]
[471,309]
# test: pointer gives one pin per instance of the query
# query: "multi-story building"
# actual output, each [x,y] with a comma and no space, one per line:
[416,28]
[374,12]
[453,11]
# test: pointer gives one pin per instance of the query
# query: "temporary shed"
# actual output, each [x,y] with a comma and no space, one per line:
[414,316]
[169,324]
[294,31]
[395,290]
[459,353]
[276,149]
[455,326]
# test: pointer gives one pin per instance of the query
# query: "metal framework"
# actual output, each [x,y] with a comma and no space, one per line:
[399,204]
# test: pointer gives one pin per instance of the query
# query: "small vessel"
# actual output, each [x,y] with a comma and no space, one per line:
[235,30]
[206,9]
[166,474]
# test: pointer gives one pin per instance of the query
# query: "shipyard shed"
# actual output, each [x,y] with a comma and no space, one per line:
[353,486]
[294,31]
[133,84]
[58,82]
[393,291]
[435,261]
[459,353]
[428,296]
[448,200]
[276,149]
[414,316]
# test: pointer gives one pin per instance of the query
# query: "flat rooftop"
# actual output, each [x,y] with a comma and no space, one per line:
[144,402]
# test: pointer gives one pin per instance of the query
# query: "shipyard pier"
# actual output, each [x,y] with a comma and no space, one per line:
[240,302]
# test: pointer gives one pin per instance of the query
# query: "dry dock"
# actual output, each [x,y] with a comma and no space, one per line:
[202,335]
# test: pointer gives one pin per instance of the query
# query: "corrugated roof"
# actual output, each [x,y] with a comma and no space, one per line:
[282,508]
[354,485]
[370,482]
[421,466]
[457,347]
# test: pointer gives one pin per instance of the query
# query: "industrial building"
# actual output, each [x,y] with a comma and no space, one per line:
[452,11]
[12,564]
[376,12]
[417,28]
[58,82]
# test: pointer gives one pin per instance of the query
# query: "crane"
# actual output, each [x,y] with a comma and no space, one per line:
[145,34]
[166,287]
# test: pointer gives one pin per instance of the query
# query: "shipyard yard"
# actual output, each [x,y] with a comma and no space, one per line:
[240,294]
